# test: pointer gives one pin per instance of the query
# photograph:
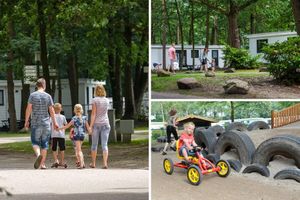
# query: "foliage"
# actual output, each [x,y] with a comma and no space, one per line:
[284,60]
[219,110]
[239,58]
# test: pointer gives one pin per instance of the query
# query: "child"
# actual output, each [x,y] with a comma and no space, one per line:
[58,137]
[213,65]
[171,129]
[187,142]
[71,136]
[80,123]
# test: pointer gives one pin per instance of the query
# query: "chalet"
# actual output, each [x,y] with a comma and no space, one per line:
[197,120]
[215,52]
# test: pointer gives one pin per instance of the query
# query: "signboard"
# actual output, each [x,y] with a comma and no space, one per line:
[30,73]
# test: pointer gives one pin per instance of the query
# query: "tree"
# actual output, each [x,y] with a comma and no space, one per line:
[296,12]
[181,34]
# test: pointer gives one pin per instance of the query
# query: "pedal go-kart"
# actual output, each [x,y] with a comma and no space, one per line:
[198,166]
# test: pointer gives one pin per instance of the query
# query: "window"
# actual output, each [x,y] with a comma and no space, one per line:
[1,98]
[195,54]
[261,44]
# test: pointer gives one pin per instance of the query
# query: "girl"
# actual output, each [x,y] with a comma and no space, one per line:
[171,129]
[80,123]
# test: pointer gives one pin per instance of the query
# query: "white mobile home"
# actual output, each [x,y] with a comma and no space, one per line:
[86,91]
[215,52]
[257,41]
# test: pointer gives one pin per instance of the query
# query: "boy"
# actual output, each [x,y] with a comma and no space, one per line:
[187,142]
[58,137]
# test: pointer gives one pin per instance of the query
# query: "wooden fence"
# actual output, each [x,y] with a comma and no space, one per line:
[285,116]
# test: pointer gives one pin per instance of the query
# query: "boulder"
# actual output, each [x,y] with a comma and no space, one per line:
[236,86]
[229,70]
[263,69]
[210,74]
[188,83]
[163,73]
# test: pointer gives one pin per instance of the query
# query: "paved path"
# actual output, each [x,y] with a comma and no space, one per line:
[74,181]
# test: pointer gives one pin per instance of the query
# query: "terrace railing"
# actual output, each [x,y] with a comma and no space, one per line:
[285,116]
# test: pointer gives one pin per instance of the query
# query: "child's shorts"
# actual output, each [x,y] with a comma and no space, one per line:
[61,143]
[78,137]
[189,152]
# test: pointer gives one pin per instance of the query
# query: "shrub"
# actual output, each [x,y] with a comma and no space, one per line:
[284,60]
[239,58]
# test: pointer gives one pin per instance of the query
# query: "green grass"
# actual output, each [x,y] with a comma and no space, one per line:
[26,147]
[7,134]
[164,84]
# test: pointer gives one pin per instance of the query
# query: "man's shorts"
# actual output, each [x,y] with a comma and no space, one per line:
[40,136]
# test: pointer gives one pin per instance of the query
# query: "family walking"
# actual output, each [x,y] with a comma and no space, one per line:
[46,120]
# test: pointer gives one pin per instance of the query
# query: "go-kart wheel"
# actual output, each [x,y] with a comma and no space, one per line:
[194,175]
[224,168]
[168,166]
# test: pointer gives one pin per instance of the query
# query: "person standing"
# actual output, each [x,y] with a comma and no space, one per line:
[100,125]
[172,57]
[39,104]
[204,59]
[171,129]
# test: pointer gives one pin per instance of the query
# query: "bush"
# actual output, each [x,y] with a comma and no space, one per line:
[239,58]
[284,60]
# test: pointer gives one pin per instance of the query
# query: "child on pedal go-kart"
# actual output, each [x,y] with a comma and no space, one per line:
[187,143]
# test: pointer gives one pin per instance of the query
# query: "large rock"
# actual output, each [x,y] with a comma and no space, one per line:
[229,70]
[163,73]
[188,83]
[210,74]
[236,86]
[263,69]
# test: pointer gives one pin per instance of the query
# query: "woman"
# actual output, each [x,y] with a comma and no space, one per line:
[204,60]
[100,125]
[171,129]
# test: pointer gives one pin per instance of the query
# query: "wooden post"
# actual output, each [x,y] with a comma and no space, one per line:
[272,119]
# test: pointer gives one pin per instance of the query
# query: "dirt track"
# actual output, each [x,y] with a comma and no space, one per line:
[236,186]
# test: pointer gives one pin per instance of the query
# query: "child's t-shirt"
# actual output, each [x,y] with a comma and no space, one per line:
[79,125]
[189,138]
[61,121]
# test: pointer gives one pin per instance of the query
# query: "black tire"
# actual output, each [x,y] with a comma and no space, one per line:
[235,164]
[258,125]
[239,141]
[156,149]
[162,139]
[227,165]
[169,170]
[217,130]
[205,139]
[287,146]
[236,126]
[214,158]
[288,174]
[197,177]
[258,168]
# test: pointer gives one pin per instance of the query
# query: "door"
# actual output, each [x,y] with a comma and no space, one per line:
[215,55]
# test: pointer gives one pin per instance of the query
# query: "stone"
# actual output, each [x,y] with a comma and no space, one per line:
[163,73]
[210,74]
[188,83]
[263,69]
[236,86]
[229,70]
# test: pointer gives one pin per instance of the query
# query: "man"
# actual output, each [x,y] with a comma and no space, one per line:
[39,103]
[172,57]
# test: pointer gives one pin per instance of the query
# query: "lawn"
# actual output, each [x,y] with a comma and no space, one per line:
[163,84]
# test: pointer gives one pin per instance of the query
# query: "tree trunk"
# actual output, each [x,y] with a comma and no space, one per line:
[181,34]
[214,32]
[130,109]
[296,12]
[232,111]
[207,28]
[192,32]
[73,78]
[43,45]
[141,77]
[234,35]
[170,34]
[252,23]
[10,81]
[164,34]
